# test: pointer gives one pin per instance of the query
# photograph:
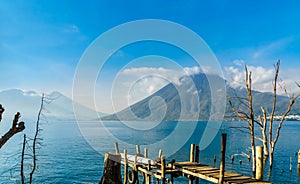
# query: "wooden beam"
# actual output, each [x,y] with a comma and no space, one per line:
[163,169]
[125,166]
[222,161]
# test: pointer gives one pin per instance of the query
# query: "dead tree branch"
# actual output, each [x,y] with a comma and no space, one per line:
[37,129]
[16,127]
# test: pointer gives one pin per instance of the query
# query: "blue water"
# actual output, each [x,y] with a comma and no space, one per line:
[65,156]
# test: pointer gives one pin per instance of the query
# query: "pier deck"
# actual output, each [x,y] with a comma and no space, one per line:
[159,170]
[190,170]
[211,174]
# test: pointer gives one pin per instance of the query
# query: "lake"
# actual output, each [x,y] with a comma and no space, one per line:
[65,156]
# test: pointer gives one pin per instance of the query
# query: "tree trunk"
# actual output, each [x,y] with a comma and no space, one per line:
[271,156]
[264,133]
[112,169]
[22,160]
[265,142]
[253,154]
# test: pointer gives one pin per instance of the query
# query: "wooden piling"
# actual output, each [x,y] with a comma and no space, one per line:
[138,150]
[163,169]
[291,163]
[117,147]
[192,153]
[125,166]
[148,177]
[135,167]
[146,152]
[222,161]
[197,159]
[112,169]
[192,159]
[259,163]
[160,154]
[232,159]
[299,161]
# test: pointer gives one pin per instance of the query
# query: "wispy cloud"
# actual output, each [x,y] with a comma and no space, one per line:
[262,77]
[70,28]
[271,48]
[136,83]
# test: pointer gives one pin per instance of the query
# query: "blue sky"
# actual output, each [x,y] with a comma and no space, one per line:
[41,41]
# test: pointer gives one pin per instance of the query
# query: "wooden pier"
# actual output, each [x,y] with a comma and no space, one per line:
[159,171]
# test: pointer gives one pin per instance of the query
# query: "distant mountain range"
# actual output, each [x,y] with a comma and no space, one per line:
[186,105]
[56,105]
[189,100]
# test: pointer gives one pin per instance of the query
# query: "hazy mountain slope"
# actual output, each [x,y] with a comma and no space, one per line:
[57,106]
[187,105]
[181,102]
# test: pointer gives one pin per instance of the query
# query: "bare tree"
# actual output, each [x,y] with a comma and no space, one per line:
[22,160]
[292,100]
[267,137]
[32,148]
[37,130]
[248,116]
[16,127]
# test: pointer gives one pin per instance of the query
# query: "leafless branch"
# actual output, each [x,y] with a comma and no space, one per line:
[16,128]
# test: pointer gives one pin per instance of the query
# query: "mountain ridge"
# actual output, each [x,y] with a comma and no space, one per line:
[140,111]
[57,106]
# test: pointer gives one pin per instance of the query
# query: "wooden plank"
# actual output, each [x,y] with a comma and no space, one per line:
[241,179]
[140,160]
[201,176]
[210,171]
[229,174]
[203,168]
[186,163]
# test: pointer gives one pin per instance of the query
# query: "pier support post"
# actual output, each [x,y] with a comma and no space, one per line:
[163,169]
[299,161]
[259,175]
[147,178]
[197,159]
[117,147]
[138,150]
[222,161]
[192,153]
[160,153]
[112,169]
[146,152]
[125,166]
[192,159]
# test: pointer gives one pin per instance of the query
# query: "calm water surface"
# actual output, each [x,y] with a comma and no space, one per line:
[66,157]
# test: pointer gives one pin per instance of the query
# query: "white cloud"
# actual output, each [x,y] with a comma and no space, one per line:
[239,62]
[192,70]
[168,74]
[136,83]
[262,78]
[133,84]
[160,72]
